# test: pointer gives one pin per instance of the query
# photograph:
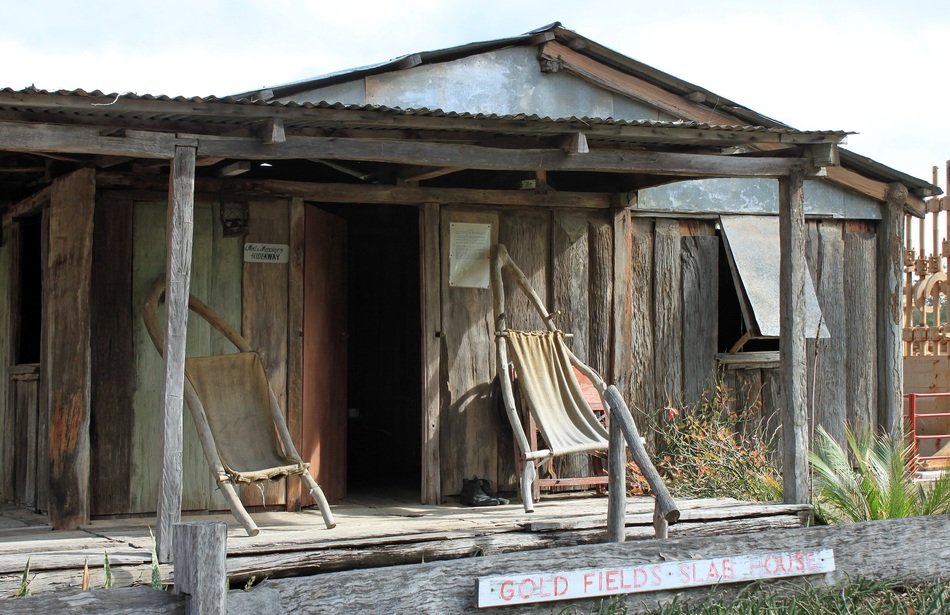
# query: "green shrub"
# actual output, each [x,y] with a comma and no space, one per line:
[871,479]
[703,452]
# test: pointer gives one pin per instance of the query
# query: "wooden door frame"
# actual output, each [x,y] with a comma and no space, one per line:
[430,291]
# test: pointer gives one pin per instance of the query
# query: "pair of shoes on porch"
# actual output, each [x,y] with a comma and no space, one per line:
[479,492]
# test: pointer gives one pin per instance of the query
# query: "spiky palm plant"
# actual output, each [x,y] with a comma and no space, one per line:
[872,482]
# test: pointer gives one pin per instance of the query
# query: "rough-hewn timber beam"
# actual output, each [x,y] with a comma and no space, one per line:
[33,138]
[795,480]
[498,159]
[369,194]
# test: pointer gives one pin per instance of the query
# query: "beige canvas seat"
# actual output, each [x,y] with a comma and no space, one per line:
[240,424]
[546,372]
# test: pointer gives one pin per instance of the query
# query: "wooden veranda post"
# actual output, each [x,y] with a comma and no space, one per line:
[792,274]
[890,264]
[179,229]
[67,352]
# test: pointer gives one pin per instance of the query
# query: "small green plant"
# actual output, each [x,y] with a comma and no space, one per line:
[709,451]
[249,584]
[24,589]
[156,571]
[106,571]
[871,479]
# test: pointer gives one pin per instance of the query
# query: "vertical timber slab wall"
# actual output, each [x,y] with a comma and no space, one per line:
[827,362]
[113,361]
[264,320]
[469,423]
[6,360]
[568,257]
[216,279]
[860,274]
[66,352]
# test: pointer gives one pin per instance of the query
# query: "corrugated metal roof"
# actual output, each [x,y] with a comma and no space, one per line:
[609,57]
[114,104]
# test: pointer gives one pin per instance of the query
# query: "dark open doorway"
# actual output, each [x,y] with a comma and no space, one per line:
[384,397]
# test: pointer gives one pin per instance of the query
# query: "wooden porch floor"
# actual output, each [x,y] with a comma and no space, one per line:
[371,531]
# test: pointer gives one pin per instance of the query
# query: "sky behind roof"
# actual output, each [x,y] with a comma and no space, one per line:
[873,66]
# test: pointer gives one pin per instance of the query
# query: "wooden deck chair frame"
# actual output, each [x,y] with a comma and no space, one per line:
[225,478]
[622,426]
[529,457]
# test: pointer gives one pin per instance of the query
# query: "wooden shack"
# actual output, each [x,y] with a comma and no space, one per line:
[610,183]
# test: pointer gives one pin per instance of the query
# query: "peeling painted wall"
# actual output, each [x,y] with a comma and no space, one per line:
[754,196]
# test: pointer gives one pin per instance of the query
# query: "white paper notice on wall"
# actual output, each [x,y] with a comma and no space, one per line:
[266,253]
[469,254]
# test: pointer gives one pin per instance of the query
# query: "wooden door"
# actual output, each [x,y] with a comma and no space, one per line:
[324,352]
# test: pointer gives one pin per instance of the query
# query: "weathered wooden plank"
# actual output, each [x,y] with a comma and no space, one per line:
[570,275]
[195,473]
[295,316]
[792,276]
[527,236]
[830,374]
[640,387]
[226,272]
[772,401]
[23,137]
[496,158]
[200,553]
[148,259]
[860,290]
[67,358]
[700,254]
[668,314]
[431,270]
[264,320]
[112,369]
[890,261]
[469,420]
[25,413]
[44,462]
[7,358]
[125,601]
[179,224]
[243,189]
[601,292]
[879,549]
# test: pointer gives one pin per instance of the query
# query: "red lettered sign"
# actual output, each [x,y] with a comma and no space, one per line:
[578,584]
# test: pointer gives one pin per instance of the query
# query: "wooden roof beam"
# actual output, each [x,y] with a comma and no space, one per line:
[39,138]
[357,193]
[418,175]
[499,159]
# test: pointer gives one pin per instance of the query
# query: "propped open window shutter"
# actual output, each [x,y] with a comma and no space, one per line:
[752,248]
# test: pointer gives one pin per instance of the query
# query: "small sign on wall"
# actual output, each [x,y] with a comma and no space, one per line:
[266,253]
[469,254]
[635,578]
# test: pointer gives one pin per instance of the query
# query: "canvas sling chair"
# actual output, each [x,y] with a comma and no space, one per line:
[240,425]
[544,367]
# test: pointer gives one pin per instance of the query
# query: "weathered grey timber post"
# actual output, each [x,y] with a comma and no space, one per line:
[179,230]
[200,570]
[890,264]
[795,479]
[617,484]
